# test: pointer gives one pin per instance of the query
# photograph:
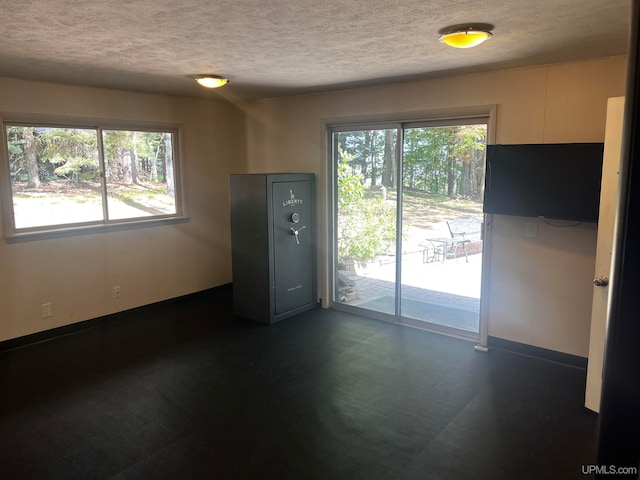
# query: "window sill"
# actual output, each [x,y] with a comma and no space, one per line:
[73,231]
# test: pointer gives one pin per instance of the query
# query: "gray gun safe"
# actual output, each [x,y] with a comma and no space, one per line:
[272,237]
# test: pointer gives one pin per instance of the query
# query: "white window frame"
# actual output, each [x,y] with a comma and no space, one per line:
[51,231]
[468,115]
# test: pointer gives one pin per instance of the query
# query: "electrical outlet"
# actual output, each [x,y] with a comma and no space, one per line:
[116,292]
[47,310]
[531,230]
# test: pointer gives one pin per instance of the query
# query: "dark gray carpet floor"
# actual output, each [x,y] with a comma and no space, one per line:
[184,390]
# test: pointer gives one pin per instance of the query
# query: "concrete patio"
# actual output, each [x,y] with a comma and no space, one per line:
[452,284]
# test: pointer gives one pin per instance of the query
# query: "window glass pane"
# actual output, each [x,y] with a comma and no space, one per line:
[139,173]
[55,175]
[366,187]
[443,180]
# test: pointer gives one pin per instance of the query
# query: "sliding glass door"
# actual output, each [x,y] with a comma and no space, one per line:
[366,218]
[408,222]
[442,180]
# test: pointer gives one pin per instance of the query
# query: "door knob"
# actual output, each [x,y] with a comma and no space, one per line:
[601,281]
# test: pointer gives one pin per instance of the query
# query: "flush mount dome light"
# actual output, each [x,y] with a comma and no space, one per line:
[211,81]
[465,37]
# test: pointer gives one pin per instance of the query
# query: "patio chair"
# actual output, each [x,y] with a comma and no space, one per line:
[462,231]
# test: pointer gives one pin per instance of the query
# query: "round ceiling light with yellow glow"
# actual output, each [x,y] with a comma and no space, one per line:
[465,38]
[211,81]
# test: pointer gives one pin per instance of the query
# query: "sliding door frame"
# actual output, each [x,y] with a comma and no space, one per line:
[333,214]
[482,114]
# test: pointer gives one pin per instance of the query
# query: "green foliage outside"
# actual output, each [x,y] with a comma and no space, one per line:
[72,154]
[57,171]
[366,226]
[444,160]
[442,177]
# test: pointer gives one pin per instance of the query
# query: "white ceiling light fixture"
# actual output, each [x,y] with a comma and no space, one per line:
[211,81]
[466,36]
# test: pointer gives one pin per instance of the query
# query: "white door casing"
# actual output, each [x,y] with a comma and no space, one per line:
[604,248]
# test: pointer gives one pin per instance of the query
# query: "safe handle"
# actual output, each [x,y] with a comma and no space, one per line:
[297,232]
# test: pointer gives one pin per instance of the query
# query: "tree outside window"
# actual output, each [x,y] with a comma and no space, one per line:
[64,176]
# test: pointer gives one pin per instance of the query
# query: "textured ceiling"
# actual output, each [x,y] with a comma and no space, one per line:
[282,47]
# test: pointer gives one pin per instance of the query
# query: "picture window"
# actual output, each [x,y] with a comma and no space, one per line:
[67,176]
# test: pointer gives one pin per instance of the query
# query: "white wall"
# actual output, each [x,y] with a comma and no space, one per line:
[540,289]
[77,274]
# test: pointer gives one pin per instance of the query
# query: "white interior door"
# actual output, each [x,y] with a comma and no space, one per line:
[606,224]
